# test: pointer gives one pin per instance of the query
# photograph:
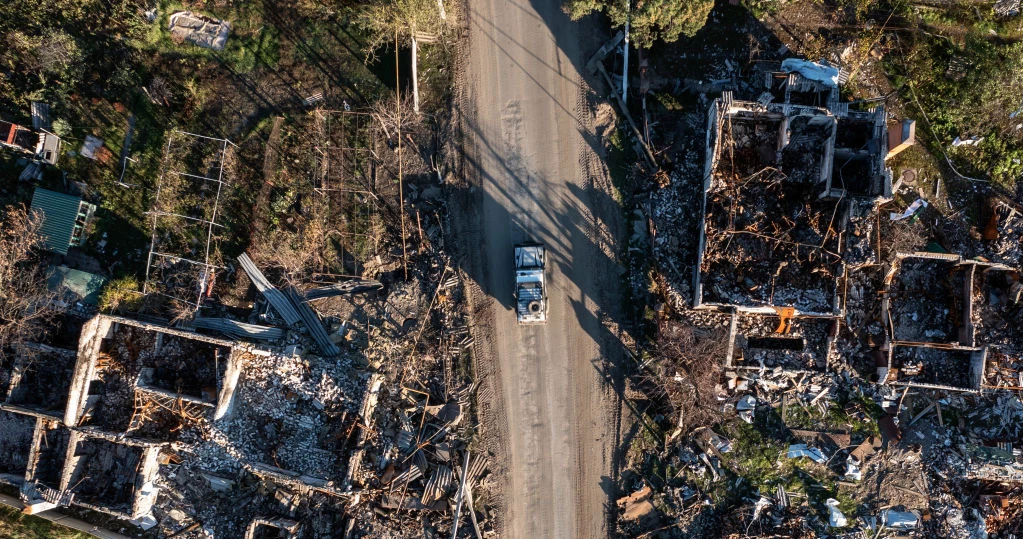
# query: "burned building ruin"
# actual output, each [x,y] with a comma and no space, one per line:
[791,184]
[946,319]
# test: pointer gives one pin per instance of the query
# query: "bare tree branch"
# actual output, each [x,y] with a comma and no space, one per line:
[26,305]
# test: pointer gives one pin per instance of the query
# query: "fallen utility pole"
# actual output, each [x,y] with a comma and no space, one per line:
[415,75]
[596,63]
[625,55]
[472,512]
[401,179]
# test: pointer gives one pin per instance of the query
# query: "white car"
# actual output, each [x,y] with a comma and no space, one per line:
[531,283]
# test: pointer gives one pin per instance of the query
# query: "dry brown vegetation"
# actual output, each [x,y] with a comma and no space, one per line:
[688,370]
[25,302]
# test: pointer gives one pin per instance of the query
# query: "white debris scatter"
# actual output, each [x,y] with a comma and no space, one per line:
[200,30]
[836,519]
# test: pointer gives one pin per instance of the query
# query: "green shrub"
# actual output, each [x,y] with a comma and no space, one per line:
[121,295]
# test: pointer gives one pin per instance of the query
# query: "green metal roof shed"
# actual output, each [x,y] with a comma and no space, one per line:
[64,218]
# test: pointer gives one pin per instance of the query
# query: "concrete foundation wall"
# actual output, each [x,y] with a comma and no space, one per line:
[710,162]
[103,326]
[230,383]
[144,493]
[93,333]
[974,367]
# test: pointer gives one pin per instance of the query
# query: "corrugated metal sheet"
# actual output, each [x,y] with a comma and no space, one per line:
[313,324]
[41,116]
[59,214]
[240,330]
[86,286]
[438,485]
[291,307]
[276,298]
[340,289]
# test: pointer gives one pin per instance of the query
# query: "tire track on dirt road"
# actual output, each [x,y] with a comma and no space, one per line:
[534,173]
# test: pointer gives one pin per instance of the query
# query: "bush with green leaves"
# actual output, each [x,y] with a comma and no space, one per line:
[121,295]
[970,90]
[649,20]
[388,20]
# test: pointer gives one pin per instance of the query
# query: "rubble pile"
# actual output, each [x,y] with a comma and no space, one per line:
[775,241]
[283,404]
[804,345]
[15,442]
[1002,233]
[346,446]
[675,225]
[925,301]
[864,376]
[312,408]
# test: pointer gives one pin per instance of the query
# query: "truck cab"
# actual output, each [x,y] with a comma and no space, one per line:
[531,283]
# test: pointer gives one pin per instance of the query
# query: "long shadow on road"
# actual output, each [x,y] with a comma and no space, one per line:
[578,225]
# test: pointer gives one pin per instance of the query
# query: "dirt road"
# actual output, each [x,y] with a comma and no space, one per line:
[530,154]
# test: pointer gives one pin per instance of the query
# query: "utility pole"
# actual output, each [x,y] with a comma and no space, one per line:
[625,69]
[461,493]
[401,179]
[415,74]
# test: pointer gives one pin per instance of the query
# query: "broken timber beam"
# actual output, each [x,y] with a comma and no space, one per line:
[921,414]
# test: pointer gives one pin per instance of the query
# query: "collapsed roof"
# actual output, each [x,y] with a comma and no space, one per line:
[779,183]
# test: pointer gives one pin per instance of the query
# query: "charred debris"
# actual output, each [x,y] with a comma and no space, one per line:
[306,406]
[176,429]
[818,370]
[184,431]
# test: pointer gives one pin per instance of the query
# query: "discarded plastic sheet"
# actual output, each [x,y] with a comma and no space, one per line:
[746,407]
[972,141]
[900,520]
[835,517]
[710,441]
[801,450]
[852,469]
[763,503]
[146,522]
[91,146]
[912,209]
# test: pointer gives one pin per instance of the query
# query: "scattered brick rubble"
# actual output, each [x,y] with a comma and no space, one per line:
[189,432]
[901,368]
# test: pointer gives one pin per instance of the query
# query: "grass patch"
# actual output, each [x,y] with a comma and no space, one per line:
[755,457]
[252,42]
[621,162]
[262,48]
[14,525]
